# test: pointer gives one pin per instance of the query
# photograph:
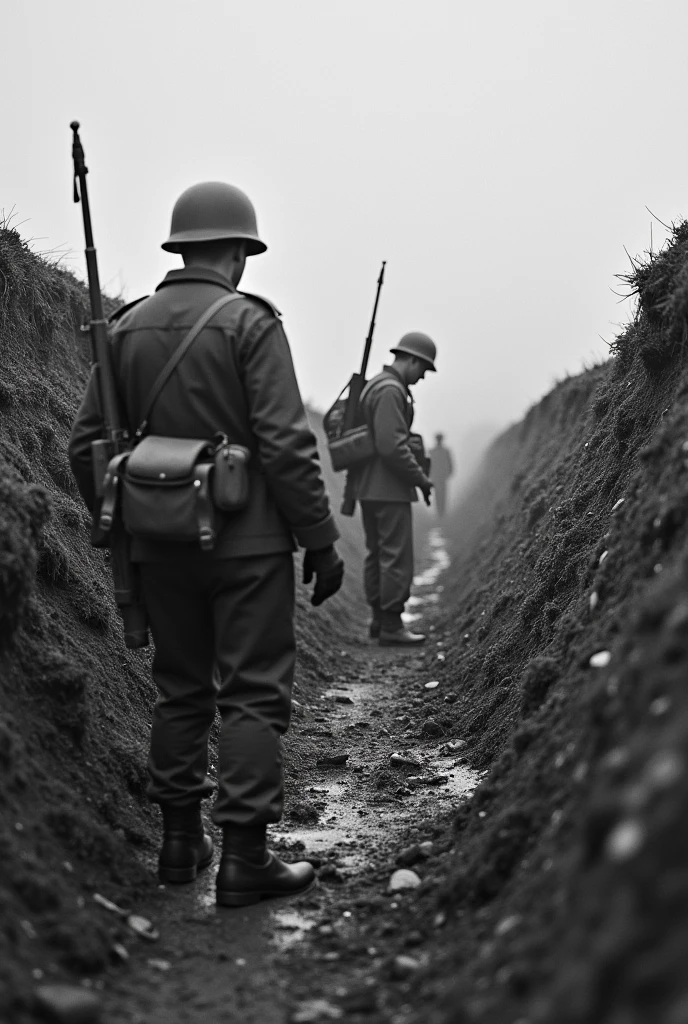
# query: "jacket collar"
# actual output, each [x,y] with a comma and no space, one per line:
[395,373]
[204,274]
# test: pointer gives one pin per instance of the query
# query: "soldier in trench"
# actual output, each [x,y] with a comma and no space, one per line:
[386,487]
[222,621]
[442,468]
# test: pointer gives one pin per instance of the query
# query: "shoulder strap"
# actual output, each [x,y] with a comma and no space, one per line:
[177,356]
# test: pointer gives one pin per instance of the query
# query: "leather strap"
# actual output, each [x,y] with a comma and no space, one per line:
[177,356]
[204,506]
[108,507]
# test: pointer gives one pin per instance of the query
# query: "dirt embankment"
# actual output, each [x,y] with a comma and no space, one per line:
[568,602]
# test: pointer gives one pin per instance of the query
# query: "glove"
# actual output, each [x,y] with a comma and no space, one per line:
[328,569]
[426,489]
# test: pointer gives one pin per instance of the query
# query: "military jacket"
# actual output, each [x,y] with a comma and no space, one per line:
[393,474]
[238,378]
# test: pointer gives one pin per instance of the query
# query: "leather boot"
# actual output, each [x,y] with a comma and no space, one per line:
[186,848]
[400,638]
[249,872]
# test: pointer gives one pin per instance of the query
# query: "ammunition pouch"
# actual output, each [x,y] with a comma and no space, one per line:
[169,488]
[351,448]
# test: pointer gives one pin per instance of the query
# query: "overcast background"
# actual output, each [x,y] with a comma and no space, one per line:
[498,155]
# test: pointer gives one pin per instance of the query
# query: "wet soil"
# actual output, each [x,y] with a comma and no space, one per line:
[268,963]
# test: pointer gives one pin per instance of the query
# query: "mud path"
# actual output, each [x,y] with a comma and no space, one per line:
[312,958]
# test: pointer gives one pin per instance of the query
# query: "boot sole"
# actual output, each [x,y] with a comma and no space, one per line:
[247,899]
[176,876]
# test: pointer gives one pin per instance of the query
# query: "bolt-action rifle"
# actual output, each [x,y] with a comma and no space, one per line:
[349,445]
[115,438]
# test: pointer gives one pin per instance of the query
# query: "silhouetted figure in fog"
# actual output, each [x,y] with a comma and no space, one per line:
[386,487]
[442,467]
[222,617]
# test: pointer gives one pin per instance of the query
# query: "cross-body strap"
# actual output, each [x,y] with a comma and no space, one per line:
[177,356]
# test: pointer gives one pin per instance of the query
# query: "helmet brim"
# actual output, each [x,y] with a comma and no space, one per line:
[407,352]
[176,242]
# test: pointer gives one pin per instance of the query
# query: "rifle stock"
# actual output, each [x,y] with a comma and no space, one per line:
[114,441]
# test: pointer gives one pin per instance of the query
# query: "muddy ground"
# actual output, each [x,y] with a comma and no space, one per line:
[550,781]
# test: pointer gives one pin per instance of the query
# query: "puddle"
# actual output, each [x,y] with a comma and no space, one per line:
[290,927]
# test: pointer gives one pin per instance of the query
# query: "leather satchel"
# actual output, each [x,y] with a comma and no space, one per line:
[166,487]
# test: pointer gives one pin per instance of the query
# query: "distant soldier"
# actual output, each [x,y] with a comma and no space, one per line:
[386,487]
[222,620]
[442,467]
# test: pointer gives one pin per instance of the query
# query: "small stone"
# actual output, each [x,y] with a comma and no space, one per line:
[330,760]
[603,557]
[600,660]
[441,656]
[120,952]
[660,706]
[314,1011]
[440,919]
[159,965]
[618,504]
[625,840]
[664,769]
[594,600]
[507,924]
[142,927]
[404,761]
[68,1004]
[28,929]
[427,848]
[404,966]
[343,699]
[432,685]
[402,880]
[431,727]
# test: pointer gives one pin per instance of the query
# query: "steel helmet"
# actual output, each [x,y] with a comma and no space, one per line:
[415,343]
[210,211]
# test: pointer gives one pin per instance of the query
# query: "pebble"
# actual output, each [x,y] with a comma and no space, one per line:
[427,848]
[618,504]
[664,769]
[404,760]
[660,706]
[507,924]
[678,618]
[159,965]
[625,840]
[432,685]
[594,600]
[602,557]
[342,699]
[600,660]
[313,1011]
[403,966]
[431,727]
[331,759]
[68,1004]
[403,879]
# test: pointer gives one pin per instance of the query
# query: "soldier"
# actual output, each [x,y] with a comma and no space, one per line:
[386,487]
[222,621]
[442,467]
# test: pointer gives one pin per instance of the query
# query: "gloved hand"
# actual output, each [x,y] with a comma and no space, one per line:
[329,573]
[426,489]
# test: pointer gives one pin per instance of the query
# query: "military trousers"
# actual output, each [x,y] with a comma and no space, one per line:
[224,641]
[388,567]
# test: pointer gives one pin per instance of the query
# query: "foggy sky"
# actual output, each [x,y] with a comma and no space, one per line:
[498,155]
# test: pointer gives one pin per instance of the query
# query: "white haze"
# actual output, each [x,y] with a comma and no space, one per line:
[498,155]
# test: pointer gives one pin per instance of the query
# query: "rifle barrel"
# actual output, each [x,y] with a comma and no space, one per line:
[371,329]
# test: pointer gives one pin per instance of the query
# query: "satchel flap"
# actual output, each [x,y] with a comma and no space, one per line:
[167,459]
